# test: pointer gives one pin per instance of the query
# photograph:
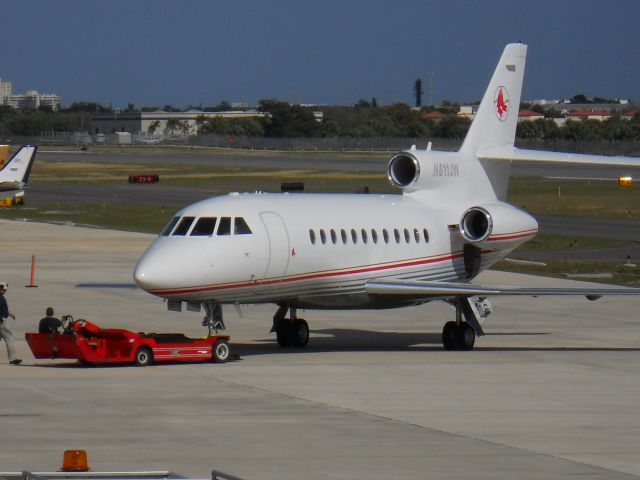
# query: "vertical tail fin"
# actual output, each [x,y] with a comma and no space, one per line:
[496,119]
[17,170]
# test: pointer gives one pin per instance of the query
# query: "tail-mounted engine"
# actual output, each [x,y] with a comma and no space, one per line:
[476,225]
[403,169]
[497,224]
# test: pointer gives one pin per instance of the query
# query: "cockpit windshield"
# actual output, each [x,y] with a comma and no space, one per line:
[206,226]
[183,226]
[172,223]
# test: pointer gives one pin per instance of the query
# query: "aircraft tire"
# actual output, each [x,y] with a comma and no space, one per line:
[284,334]
[449,336]
[465,336]
[300,333]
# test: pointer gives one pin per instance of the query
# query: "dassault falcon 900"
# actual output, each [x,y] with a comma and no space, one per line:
[355,251]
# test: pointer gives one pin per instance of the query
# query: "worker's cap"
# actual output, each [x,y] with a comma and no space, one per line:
[3,285]
[49,311]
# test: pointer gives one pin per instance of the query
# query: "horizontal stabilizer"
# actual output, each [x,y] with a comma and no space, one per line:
[423,290]
[521,155]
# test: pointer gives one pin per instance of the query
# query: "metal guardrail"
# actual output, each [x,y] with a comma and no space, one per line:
[216,475]
[142,475]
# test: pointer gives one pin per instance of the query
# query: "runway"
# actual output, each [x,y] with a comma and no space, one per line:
[551,392]
[337,161]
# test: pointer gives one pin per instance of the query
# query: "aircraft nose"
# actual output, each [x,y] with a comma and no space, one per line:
[149,274]
[156,270]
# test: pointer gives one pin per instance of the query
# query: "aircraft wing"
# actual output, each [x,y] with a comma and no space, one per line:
[425,290]
[522,155]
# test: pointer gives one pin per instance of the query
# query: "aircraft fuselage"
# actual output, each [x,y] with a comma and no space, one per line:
[308,250]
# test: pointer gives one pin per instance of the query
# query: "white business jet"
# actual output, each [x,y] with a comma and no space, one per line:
[14,174]
[365,251]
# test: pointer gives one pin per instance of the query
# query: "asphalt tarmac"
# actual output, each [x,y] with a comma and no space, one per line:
[550,392]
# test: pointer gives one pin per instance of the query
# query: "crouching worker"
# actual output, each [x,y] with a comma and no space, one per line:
[50,324]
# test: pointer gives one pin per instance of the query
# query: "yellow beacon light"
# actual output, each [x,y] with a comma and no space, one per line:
[75,461]
[625,181]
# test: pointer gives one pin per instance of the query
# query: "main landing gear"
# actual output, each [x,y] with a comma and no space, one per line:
[461,334]
[292,331]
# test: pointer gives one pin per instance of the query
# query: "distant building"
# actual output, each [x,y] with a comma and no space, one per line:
[120,138]
[33,100]
[5,90]
[466,111]
[50,100]
[155,123]
[525,114]
[588,114]
[435,116]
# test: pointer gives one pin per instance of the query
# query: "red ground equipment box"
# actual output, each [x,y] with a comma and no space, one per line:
[88,343]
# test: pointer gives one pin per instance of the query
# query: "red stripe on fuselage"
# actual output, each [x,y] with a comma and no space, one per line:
[512,236]
[311,275]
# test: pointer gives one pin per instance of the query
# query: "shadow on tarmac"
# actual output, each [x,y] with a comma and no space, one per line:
[351,340]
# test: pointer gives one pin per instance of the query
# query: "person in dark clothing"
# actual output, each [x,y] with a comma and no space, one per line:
[5,333]
[49,324]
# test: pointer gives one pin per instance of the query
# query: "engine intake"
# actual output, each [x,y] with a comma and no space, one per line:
[403,169]
[476,224]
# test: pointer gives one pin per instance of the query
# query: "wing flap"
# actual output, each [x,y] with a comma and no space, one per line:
[420,289]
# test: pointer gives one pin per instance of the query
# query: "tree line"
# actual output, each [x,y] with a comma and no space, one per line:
[612,129]
[364,119]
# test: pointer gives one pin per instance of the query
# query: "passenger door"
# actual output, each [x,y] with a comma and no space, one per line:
[278,250]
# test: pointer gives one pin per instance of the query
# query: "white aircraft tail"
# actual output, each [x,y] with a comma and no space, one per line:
[15,173]
[490,138]
[497,117]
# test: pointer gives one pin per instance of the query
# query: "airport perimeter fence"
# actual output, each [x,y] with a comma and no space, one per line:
[319,144]
[381,144]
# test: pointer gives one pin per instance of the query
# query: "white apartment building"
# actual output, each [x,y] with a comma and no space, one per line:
[33,100]
[5,90]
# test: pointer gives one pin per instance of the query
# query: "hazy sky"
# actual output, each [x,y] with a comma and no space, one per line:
[196,51]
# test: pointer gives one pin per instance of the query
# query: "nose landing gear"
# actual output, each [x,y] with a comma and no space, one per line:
[213,319]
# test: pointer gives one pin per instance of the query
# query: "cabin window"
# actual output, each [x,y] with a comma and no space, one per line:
[204,226]
[323,236]
[385,235]
[374,235]
[240,227]
[407,237]
[416,235]
[334,237]
[343,235]
[183,226]
[354,236]
[170,225]
[224,227]
[425,234]
[363,232]
[312,236]
[396,234]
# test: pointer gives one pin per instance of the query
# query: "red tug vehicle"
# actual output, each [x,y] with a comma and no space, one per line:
[90,344]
